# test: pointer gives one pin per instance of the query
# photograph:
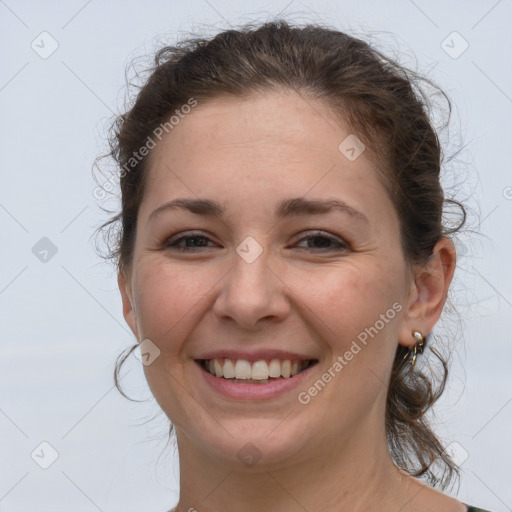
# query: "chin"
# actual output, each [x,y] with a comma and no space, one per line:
[251,445]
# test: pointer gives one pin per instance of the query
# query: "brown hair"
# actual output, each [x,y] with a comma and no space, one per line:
[385,106]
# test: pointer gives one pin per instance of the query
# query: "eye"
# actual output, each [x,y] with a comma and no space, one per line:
[197,240]
[194,237]
[324,240]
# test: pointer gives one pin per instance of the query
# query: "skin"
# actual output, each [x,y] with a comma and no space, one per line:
[331,453]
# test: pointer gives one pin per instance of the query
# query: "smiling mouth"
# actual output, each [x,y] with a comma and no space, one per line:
[242,371]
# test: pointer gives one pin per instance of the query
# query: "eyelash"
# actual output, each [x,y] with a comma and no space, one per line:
[172,244]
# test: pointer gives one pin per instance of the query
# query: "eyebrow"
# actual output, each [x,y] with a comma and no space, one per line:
[293,206]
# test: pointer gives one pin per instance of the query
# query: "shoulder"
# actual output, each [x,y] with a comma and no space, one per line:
[424,498]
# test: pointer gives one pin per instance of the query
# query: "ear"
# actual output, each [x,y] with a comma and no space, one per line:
[428,292]
[129,312]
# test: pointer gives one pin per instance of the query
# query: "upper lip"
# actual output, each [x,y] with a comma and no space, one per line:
[255,355]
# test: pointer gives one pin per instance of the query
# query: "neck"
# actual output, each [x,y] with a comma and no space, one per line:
[354,475]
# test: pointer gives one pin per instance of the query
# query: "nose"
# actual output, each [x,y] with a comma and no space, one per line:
[253,294]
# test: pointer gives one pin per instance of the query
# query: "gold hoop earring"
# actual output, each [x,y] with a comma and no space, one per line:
[418,348]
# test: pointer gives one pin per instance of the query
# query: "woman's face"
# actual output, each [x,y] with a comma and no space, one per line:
[253,285]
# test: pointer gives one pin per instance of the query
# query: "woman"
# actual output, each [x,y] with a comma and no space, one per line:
[282,262]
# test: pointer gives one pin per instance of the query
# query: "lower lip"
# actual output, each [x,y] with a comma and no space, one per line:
[242,391]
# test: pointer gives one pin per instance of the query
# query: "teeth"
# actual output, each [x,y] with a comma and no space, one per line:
[274,368]
[217,367]
[242,369]
[259,370]
[228,370]
[286,369]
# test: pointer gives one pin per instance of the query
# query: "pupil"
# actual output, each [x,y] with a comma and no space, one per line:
[196,239]
[326,241]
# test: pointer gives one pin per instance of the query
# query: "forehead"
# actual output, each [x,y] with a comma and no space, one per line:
[279,120]
[270,144]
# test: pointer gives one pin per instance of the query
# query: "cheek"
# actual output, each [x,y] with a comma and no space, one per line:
[361,308]
[349,298]
[166,298]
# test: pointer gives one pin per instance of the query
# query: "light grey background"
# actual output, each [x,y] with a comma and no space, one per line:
[62,325]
